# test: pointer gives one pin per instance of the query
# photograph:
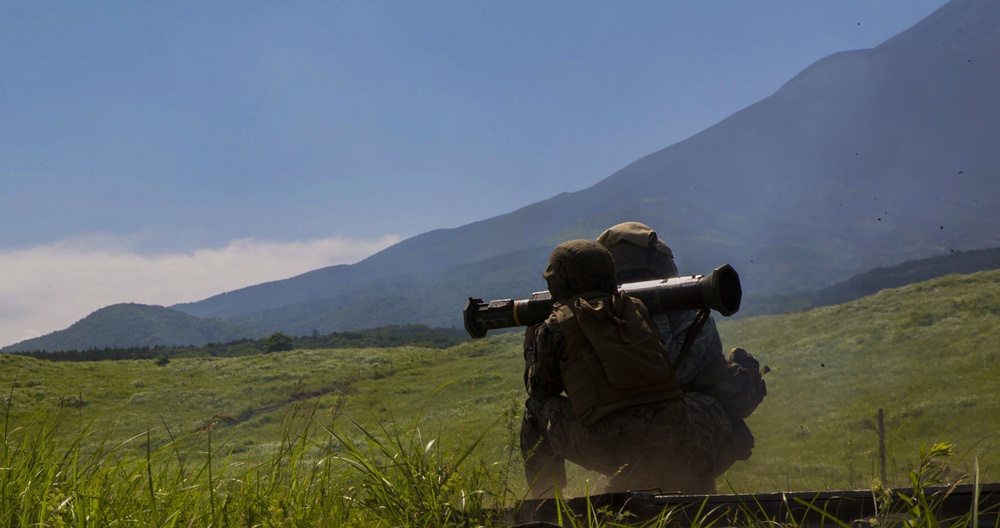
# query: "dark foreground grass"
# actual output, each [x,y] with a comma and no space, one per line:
[322,475]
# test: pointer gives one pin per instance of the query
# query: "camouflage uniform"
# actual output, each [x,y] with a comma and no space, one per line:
[735,382]
[602,395]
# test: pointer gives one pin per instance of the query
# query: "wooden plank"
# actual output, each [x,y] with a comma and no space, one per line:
[804,508]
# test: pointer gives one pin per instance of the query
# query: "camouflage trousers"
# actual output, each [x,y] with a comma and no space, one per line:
[677,445]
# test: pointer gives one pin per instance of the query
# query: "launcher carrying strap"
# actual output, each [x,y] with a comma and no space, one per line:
[692,334]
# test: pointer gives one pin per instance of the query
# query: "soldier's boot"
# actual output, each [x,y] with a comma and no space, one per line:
[546,475]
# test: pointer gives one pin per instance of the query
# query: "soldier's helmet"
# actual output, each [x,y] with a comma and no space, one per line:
[638,253]
[580,266]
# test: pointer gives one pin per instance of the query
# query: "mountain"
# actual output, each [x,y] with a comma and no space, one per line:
[137,325]
[866,158]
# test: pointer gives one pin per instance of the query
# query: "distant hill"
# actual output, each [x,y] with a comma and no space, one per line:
[137,325]
[865,159]
[384,337]
[874,281]
[880,279]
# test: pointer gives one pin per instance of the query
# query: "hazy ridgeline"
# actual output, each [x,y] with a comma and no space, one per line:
[259,437]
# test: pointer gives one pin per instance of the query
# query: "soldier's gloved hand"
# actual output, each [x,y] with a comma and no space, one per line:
[744,359]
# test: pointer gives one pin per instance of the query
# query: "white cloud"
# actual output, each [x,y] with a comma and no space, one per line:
[50,287]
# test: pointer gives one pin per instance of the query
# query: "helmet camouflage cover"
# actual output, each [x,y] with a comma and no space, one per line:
[579,266]
[638,253]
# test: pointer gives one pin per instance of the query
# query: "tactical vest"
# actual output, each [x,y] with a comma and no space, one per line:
[614,358]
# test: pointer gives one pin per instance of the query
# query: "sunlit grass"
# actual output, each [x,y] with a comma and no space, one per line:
[925,353]
[318,475]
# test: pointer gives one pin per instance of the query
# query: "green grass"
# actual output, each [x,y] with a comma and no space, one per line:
[461,390]
[926,353]
[415,436]
[315,477]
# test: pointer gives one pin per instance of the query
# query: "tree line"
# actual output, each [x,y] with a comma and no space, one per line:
[383,337]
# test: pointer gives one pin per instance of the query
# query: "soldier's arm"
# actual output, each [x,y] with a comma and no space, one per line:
[735,381]
[736,385]
[542,377]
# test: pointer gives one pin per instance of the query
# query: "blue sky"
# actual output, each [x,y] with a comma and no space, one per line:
[163,152]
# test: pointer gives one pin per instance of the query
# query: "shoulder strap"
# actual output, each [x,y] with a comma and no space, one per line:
[689,338]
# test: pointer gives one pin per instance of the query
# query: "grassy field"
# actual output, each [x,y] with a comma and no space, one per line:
[926,353]
[311,436]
